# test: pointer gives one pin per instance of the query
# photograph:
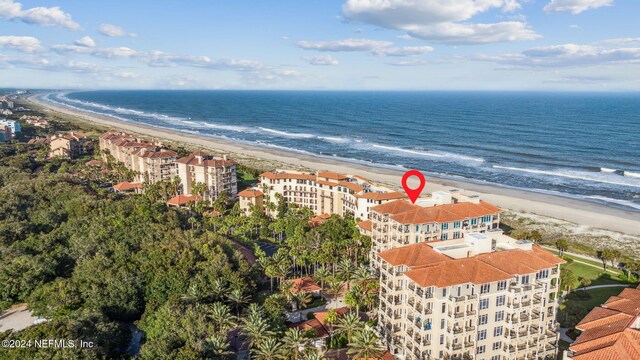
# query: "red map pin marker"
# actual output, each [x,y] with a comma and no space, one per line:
[413,194]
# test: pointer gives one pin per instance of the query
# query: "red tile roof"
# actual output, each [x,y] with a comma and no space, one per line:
[126,186]
[182,199]
[285,175]
[459,271]
[250,193]
[413,255]
[201,158]
[332,175]
[94,162]
[382,196]
[313,324]
[365,225]
[608,332]
[445,213]
[394,207]
[304,284]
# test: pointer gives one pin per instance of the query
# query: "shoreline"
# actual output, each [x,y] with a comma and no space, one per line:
[518,200]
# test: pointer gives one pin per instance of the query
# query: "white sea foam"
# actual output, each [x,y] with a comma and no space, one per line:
[334,139]
[604,178]
[436,154]
[287,134]
[632,174]
[607,170]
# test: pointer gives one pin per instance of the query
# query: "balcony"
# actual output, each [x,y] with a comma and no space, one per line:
[457,330]
[471,312]
[469,344]
[457,298]
[472,296]
[457,346]
[469,328]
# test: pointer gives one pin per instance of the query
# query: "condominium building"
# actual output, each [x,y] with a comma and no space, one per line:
[324,192]
[250,199]
[483,296]
[217,173]
[150,161]
[69,145]
[13,127]
[610,331]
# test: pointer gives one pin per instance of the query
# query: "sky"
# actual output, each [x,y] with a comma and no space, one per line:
[539,45]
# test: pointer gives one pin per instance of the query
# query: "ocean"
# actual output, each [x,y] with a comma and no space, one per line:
[580,145]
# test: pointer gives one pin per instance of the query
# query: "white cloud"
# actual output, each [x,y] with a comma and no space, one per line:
[42,16]
[107,53]
[321,60]
[374,47]
[621,41]
[567,55]
[344,45]
[86,42]
[22,43]
[441,21]
[403,51]
[113,31]
[575,6]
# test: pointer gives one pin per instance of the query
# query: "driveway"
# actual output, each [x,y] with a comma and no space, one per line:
[16,318]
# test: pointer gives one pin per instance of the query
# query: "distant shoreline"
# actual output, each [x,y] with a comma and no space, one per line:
[564,208]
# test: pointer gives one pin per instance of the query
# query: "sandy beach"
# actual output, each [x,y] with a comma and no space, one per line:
[582,213]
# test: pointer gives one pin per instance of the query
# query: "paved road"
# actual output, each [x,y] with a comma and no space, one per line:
[16,318]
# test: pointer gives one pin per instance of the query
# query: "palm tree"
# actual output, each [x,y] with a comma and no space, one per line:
[220,315]
[218,347]
[321,275]
[346,270]
[218,289]
[335,286]
[237,298]
[330,319]
[296,343]
[365,345]
[349,325]
[255,326]
[302,299]
[314,355]
[269,349]
[362,275]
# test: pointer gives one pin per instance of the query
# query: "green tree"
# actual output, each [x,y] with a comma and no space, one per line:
[365,345]
[562,244]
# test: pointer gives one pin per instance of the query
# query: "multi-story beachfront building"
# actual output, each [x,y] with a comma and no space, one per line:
[69,145]
[250,199]
[151,161]
[610,331]
[217,173]
[324,192]
[443,216]
[484,296]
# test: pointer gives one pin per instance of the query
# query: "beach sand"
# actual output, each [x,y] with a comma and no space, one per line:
[582,213]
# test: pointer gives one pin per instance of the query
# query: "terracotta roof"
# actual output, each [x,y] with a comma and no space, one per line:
[547,255]
[607,330]
[445,213]
[365,225]
[250,193]
[460,271]
[394,207]
[126,186]
[318,219]
[304,284]
[285,175]
[182,199]
[332,175]
[37,140]
[419,254]
[214,213]
[517,261]
[328,183]
[313,324]
[321,316]
[381,196]
[351,186]
[155,153]
[206,160]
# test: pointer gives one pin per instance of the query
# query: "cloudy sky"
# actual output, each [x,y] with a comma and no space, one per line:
[322,44]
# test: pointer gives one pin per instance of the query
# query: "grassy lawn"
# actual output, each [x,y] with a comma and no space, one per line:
[597,276]
[576,306]
[247,180]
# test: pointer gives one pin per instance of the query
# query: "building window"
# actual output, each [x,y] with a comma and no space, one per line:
[445,226]
[484,304]
[456,225]
[482,319]
[485,288]
[502,285]
[482,334]
[474,221]
[496,357]
[481,349]
[500,315]
[444,307]
[500,300]
[497,332]
[456,235]
[442,339]
[444,293]
[442,324]
[525,279]
[445,236]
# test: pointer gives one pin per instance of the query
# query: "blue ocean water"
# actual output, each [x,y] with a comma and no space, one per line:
[584,145]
